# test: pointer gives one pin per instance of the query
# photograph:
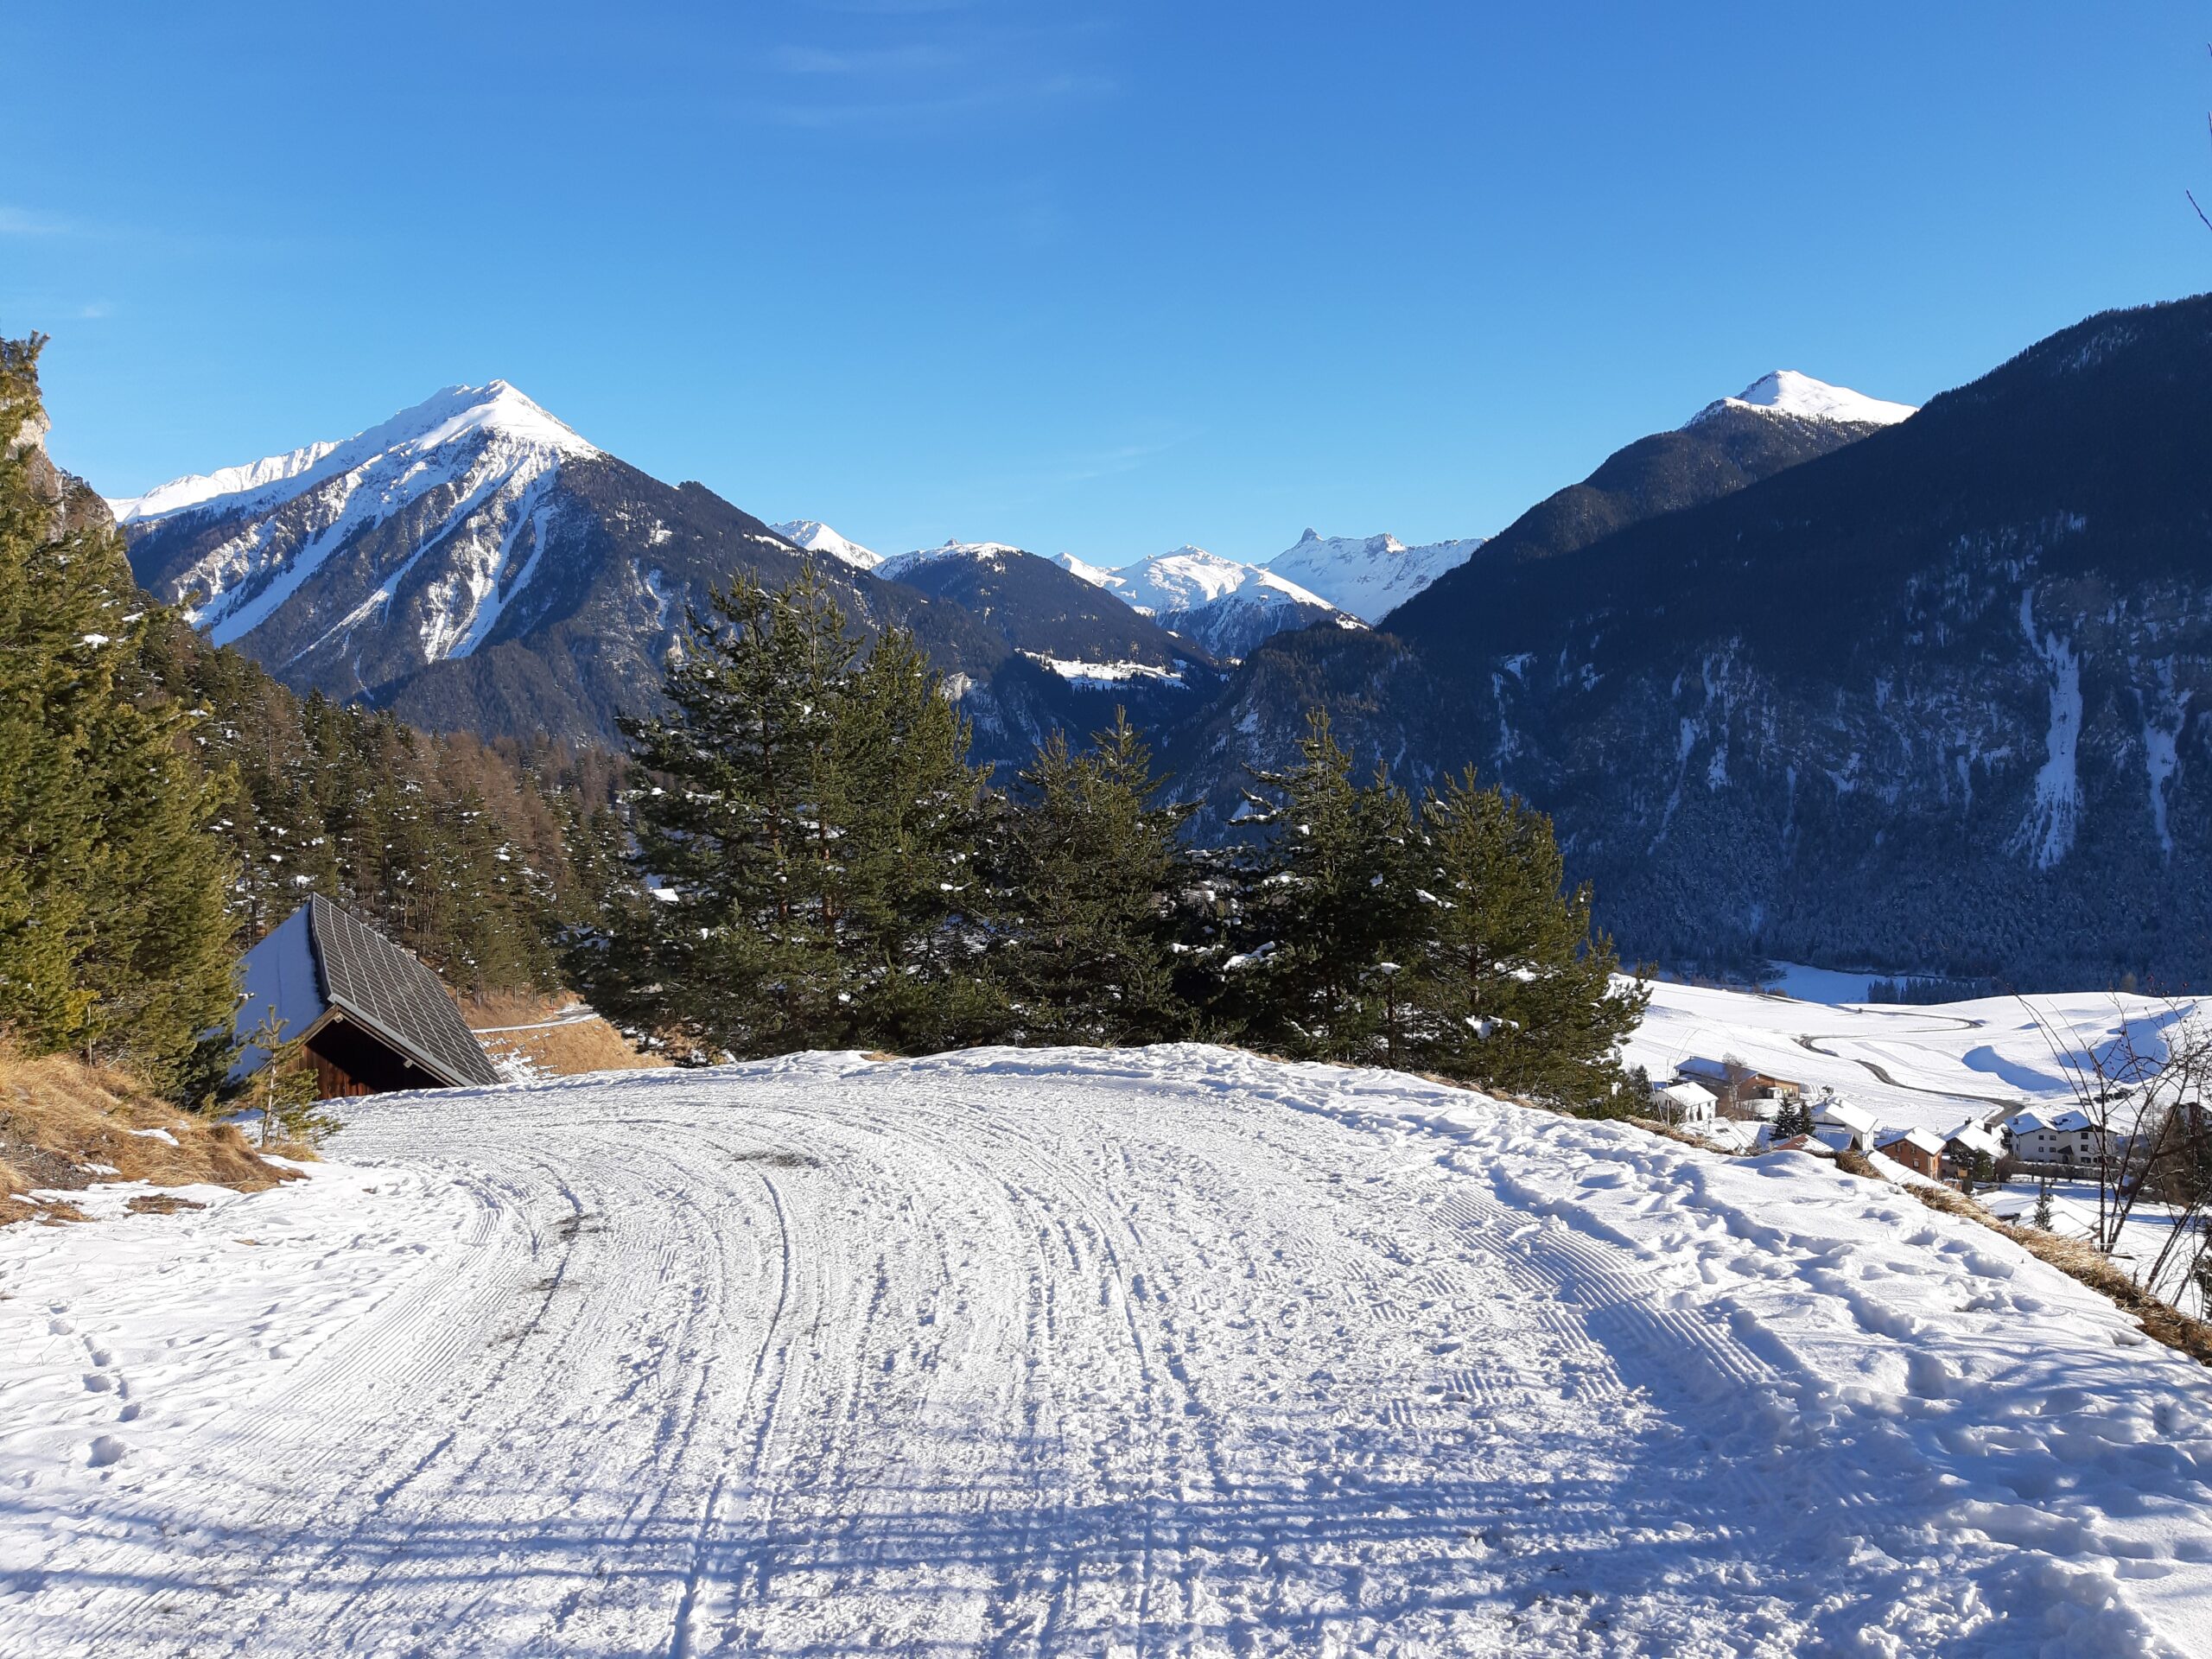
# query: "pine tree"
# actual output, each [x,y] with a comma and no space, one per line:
[807,842]
[114,939]
[1331,913]
[1519,989]
[905,811]
[1092,874]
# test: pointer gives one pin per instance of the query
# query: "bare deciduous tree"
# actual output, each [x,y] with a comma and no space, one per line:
[2142,1093]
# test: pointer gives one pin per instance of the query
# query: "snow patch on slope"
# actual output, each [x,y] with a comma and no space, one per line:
[2054,816]
[1788,392]
[1105,676]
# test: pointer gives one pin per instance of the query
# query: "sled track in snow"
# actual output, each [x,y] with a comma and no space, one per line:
[1005,1355]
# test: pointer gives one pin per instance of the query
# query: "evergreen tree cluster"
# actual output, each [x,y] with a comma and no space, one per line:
[473,856]
[163,804]
[114,939]
[806,862]
[817,865]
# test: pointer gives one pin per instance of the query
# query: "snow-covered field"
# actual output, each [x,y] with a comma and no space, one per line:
[1932,1066]
[1173,1351]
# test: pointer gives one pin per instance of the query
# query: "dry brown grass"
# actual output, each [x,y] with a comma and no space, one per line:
[551,1046]
[1668,1132]
[59,1117]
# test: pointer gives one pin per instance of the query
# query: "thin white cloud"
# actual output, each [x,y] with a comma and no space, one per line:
[917,58]
[16,221]
[946,69]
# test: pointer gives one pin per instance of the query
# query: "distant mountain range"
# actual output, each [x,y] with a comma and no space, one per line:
[476,564]
[1811,675]
[1930,694]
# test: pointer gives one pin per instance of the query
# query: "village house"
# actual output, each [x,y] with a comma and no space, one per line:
[1686,1105]
[1737,1085]
[1920,1151]
[2049,1140]
[1732,1135]
[368,1016]
[1839,1125]
[1964,1144]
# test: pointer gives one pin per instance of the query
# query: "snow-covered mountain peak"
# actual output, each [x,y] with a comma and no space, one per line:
[817,537]
[1097,575]
[982,552]
[1368,577]
[1785,391]
[1182,580]
[413,436]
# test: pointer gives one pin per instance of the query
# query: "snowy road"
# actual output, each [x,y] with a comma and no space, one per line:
[1174,1352]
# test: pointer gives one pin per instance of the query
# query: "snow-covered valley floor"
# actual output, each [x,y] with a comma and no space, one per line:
[1162,1351]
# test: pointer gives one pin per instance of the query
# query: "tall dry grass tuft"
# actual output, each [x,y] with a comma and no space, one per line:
[535,1034]
[65,1124]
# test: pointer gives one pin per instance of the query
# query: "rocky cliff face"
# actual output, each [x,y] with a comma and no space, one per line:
[1939,699]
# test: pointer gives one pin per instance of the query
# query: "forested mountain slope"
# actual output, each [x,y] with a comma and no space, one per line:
[1940,698]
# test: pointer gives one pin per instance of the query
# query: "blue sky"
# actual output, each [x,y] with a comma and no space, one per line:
[1102,278]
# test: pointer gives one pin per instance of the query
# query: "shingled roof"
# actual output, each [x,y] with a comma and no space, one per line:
[323,959]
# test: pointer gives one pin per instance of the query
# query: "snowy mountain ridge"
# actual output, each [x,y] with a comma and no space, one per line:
[477,458]
[984,553]
[1785,391]
[472,564]
[817,537]
[1372,576]
[1223,605]
[449,415]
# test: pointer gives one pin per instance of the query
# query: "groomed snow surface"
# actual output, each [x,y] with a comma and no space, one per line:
[1172,1351]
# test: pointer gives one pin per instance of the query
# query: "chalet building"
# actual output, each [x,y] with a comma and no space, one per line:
[1687,1105]
[1737,1085]
[2054,1139]
[1839,1125]
[1920,1151]
[1963,1145]
[369,1016]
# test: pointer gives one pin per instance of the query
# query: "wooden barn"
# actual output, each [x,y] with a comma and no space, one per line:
[369,1015]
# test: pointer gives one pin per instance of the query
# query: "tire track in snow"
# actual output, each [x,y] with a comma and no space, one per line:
[1033,1354]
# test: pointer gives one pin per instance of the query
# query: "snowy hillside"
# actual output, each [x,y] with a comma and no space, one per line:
[1788,392]
[1370,576]
[1168,1351]
[1930,1067]
[817,537]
